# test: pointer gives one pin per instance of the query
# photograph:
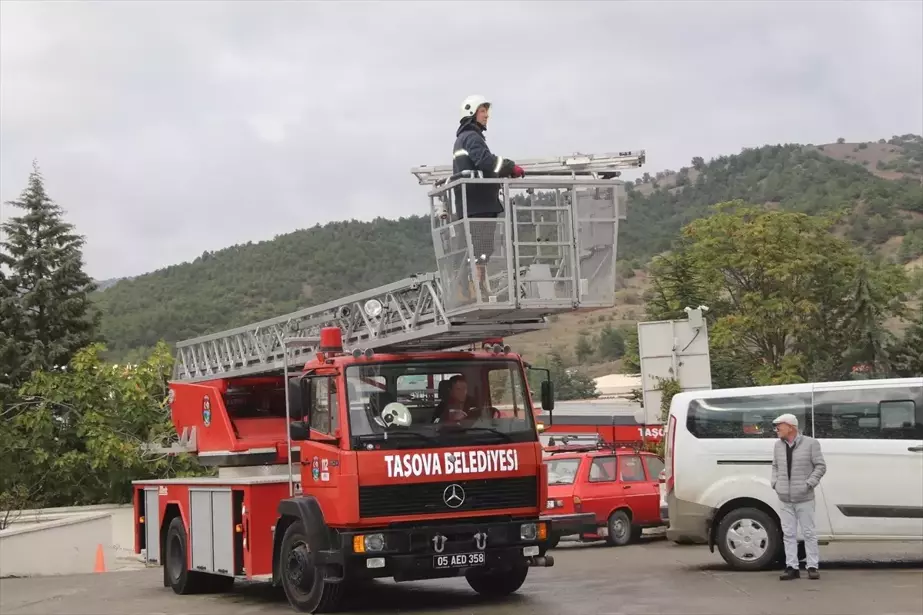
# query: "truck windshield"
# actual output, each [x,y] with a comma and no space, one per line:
[429,404]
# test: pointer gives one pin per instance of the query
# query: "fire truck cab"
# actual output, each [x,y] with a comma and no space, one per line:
[405,444]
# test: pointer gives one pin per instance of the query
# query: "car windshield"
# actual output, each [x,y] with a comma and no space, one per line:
[438,403]
[562,471]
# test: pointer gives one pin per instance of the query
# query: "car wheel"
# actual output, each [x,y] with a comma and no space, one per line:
[749,539]
[620,529]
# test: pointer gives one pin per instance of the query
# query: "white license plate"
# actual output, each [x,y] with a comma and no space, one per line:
[458,560]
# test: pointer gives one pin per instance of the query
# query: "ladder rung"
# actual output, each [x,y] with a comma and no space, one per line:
[579,164]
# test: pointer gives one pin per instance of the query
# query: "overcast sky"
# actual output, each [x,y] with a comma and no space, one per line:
[167,129]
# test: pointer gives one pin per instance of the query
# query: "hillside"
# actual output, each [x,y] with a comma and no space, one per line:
[876,187]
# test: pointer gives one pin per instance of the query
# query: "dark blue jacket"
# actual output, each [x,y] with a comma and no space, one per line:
[471,153]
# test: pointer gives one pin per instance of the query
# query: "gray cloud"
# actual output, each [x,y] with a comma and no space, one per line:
[168,129]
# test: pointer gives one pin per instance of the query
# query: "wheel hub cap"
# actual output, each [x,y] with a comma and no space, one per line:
[747,540]
[300,567]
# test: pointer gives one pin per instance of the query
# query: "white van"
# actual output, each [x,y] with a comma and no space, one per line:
[719,457]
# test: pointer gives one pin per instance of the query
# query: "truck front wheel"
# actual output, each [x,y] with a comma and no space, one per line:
[302,581]
[497,583]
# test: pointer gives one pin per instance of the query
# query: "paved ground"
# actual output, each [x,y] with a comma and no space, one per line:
[652,577]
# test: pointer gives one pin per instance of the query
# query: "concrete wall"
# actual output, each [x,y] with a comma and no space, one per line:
[65,540]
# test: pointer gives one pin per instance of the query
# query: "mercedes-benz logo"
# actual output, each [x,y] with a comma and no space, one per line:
[453,496]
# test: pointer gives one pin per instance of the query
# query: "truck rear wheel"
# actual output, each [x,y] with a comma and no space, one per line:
[497,583]
[175,562]
[303,583]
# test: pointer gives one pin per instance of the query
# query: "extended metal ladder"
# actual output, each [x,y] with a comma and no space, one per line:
[604,166]
[405,315]
[419,313]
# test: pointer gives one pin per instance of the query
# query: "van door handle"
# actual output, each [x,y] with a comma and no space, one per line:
[626,486]
[915,449]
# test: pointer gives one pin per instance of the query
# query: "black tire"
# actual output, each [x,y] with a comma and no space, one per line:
[620,529]
[303,583]
[175,562]
[762,539]
[497,583]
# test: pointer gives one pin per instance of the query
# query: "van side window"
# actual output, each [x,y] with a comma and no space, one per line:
[324,412]
[875,413]
[602,470]
[746,416]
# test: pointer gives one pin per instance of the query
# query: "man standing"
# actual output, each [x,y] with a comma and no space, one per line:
[471,156]
[797,467]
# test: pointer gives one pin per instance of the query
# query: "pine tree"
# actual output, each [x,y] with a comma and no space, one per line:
[53,316]
[11,348]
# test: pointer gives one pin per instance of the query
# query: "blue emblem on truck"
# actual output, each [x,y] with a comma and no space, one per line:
[206,411]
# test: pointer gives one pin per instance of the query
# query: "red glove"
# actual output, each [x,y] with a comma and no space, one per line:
[518,172]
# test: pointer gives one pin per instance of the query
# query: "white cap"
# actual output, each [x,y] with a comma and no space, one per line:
[789,419]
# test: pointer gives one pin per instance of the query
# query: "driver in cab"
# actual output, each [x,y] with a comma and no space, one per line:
[454,407]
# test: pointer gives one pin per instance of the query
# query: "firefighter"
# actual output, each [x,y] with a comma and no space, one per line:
[471,154]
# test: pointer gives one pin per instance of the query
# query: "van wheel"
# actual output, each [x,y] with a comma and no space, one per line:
[620,529]
[175,569]
[303,582]
[749,539]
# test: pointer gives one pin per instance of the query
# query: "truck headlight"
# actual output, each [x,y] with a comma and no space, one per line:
[533,531]
[368,543]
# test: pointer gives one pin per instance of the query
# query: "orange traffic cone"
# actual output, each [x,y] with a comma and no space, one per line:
[100,560]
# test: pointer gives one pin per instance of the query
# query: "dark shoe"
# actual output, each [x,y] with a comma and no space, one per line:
[813,574]
[789,574]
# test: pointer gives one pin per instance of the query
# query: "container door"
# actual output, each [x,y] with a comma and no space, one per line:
[152,524]
[223,532]
[200,530]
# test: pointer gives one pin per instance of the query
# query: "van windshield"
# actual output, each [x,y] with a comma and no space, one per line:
[438,403]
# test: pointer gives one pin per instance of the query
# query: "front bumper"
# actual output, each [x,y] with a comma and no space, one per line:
[414,553]
[568,525]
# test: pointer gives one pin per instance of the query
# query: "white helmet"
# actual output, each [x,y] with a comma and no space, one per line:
[396,413]
[470,105]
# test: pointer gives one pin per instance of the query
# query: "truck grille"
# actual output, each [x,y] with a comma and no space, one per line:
[429,498]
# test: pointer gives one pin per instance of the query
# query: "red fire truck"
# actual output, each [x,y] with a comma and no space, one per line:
[358,466]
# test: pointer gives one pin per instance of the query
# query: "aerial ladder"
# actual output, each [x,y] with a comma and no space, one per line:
[553,251]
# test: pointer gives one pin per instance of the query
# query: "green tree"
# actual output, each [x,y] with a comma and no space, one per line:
[76,435]
[583,349]
[569,382]
[611,343]
[44,256]
[11,348]
[907,354]
[789,301]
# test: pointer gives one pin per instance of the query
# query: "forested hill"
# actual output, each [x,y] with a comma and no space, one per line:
[876,185]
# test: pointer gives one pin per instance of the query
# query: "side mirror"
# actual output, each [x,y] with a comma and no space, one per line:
[299,430]
[299,400]
[547,395]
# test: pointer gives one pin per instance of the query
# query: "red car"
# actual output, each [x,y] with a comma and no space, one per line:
[619,485]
